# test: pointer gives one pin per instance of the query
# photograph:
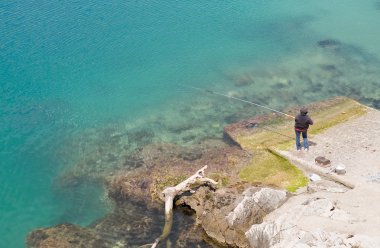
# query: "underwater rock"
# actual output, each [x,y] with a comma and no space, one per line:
[133,160]
[232,118]
[103,152]
[329,43]
[376,103]
[129,225]
[179,127]
[189,138]
[243,80]
[141,137]
[65,236]
[191,155]
[328,67]
[247,126]
[239,79]
[377,5]
[371,102]
[169,164]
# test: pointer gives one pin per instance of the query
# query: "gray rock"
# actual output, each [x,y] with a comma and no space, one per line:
[282,231]
[225,215]
[326,185]
[255,205]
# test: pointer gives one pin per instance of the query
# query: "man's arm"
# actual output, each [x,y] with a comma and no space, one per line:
[311,121]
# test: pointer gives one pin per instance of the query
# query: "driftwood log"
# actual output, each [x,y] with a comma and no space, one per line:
[171,192]
[310,167]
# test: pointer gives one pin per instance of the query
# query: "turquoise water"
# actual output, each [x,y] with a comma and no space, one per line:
[69,68]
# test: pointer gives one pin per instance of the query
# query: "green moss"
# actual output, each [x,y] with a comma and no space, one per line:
[208,196]
[223,180]
[338,114]
[274,121]
[270,169]
[161,182]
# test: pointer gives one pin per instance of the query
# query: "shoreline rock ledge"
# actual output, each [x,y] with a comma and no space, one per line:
[255,214]
[226,214]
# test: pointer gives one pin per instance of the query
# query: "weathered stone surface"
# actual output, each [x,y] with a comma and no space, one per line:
[246,127]
[282,231]
[226,214]
[254,206]
[325,185]
[190,239]
[210,209]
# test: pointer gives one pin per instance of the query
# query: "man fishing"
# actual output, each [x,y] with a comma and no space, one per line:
[302,122]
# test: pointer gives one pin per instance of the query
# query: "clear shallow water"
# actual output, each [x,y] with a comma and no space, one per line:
[70,67]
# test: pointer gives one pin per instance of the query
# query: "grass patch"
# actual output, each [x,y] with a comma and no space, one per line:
[339,113]
[223,180]
[161,182]
[270,169]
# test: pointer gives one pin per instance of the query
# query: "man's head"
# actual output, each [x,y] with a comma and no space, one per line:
[304,111]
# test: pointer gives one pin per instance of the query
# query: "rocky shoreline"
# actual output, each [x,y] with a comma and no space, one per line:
[135,193]
[238,213]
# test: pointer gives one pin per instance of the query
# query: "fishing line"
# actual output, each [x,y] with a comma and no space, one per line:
[256,125]
[235,98]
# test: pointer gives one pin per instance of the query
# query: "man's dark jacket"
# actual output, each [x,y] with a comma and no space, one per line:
[303,121]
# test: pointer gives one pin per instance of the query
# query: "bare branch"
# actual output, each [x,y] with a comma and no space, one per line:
[169,195]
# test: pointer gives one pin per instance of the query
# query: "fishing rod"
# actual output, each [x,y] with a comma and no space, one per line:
[250,125]
[238,99]
[256,125]
[253,124]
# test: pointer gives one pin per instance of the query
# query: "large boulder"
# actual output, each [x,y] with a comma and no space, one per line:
[254,205]
[225,215]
